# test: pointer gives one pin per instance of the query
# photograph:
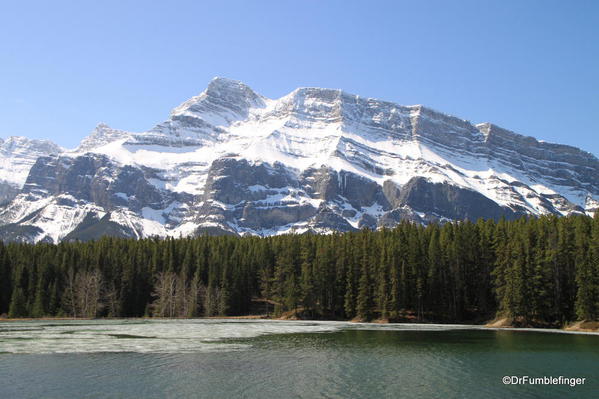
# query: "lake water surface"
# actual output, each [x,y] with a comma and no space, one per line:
[286,359]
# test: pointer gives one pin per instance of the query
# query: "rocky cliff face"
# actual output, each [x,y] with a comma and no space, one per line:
[230,161]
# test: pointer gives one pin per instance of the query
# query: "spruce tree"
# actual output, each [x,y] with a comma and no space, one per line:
[364,300]
[18,304]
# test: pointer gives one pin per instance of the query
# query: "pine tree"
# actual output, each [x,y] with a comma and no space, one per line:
[364,300]
[5,280]
[434,278]
[307,288]
[586,295]
[18,304]
[223,301]
[349,304]
[382,296]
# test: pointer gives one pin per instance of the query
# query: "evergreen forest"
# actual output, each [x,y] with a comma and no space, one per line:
[536,271]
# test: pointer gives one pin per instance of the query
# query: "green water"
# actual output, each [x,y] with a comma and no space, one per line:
[225,359]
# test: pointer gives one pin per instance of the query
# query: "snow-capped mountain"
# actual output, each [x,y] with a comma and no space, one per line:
[230,161]
[17,155]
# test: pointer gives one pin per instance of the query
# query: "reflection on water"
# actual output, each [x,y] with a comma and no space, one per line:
[274,359]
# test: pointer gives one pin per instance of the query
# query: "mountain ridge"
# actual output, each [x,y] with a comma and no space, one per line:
[231,161]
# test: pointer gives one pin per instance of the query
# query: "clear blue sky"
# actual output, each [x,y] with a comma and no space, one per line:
[529,66]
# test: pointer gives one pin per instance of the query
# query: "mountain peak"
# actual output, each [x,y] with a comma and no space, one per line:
[232,90]
[24,143]
[224,100]
[219,82]
[102,126]
[101,135]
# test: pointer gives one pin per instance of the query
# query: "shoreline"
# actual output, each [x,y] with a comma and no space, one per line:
[495,325]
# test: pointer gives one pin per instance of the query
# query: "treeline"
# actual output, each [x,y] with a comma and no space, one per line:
[541,271]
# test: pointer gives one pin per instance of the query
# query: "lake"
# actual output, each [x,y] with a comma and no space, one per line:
[286,359]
